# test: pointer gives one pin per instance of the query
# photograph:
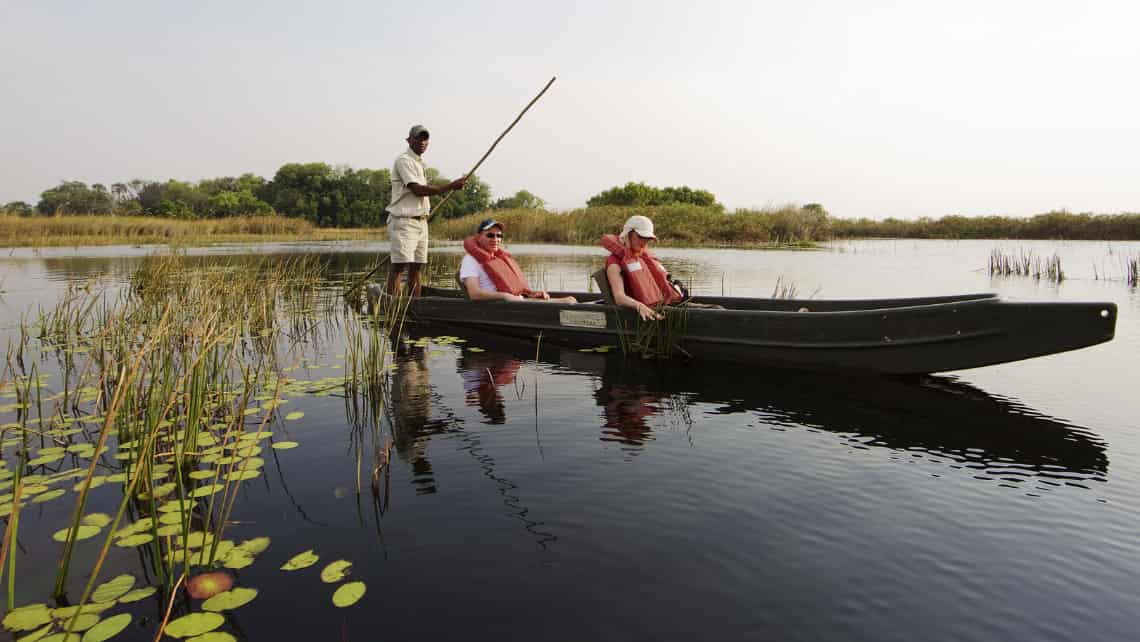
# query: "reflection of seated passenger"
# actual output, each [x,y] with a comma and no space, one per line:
[636,278]
[484,375]
[488,273]
[626,408]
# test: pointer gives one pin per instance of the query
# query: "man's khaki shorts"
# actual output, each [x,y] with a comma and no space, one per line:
[409,237]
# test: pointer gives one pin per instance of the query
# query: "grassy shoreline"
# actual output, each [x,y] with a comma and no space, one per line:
[677,225]
[57,231]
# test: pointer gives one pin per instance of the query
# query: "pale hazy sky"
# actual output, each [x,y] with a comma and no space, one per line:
[872,108]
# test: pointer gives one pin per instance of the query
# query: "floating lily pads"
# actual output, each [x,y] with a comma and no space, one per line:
[135,540]
[112,589]
[206,491]
[296,414]
[194,624]
[26,618]
[335,571]
[37,635]
[202,474]
[96,519]
[214,636]
[230,600]
[242,475]
[285,445]
[255,545]
[348,594]
[81,533]
[138,594]
[108,628]
[83,622]
[48,496]
[300,561]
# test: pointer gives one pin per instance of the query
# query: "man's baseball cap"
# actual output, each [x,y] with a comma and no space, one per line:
[488,224]
[418,131]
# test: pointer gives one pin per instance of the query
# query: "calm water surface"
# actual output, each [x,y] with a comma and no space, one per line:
[585,496]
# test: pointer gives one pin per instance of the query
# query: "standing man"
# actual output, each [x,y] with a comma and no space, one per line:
[409,209]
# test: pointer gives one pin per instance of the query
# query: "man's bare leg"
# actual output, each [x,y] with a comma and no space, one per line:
[414,278]
[393,285]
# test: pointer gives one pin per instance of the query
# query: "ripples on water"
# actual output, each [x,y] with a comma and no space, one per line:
[583,495]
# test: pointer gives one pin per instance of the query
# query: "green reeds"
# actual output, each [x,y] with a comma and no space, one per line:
[1026,264]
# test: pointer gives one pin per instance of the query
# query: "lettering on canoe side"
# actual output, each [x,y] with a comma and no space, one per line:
[582,319]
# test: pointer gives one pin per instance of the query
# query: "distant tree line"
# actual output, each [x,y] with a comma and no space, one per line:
[324,195]
[1051,225]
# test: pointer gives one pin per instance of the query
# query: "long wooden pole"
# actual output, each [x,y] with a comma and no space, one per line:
[362,281]
[501,136]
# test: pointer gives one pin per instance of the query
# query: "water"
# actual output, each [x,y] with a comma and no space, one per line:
[586,496]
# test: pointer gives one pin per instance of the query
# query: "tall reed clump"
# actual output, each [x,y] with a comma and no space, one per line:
[661,339]
[1026,264]
[1132,270]
[179,374]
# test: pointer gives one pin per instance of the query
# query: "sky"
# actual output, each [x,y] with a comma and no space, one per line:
[873,109]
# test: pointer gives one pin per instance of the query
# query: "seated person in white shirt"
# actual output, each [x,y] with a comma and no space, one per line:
[488,273]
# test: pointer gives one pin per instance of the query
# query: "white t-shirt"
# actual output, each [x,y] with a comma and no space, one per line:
[408,168]
[471,267]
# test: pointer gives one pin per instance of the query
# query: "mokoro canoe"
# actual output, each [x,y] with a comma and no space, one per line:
[885,336]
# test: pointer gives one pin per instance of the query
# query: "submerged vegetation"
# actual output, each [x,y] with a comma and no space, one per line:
[169,388]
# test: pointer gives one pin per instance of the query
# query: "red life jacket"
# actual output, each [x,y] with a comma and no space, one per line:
[500,267]
[642,275]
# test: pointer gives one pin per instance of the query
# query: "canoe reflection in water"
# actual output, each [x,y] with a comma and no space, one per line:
[936,417]
[484,376]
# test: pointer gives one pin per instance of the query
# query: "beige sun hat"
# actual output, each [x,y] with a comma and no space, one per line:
[640,224]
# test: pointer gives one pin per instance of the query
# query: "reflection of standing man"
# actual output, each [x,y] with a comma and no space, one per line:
[409,209]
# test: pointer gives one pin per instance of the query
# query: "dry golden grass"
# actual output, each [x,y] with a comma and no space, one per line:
[23,231]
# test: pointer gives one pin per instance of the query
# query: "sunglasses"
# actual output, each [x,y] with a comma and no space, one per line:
[492,235]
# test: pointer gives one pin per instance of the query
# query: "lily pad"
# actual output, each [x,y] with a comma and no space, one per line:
[48,496]
[348,594]
[135,540]
[27,617]
[243,475]
[335,571]
[300,561]
[237,558]
[114,588]
[296,414]
[62,637]
[255,545]
[202,474]
[108,628]
[194,624]
[214,636]
[83,622]
[206,491]
[137,594]
[38,635]
[98,520]
[81,533]
[285,445]
[230,600]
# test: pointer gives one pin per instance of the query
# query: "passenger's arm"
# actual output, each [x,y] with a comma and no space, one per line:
[617,287]
[476,293]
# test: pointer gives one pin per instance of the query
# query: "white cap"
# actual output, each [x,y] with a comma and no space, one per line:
[640,224]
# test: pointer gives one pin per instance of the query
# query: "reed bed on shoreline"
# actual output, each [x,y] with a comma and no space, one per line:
[170,389]
[24,231]
[674,225]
